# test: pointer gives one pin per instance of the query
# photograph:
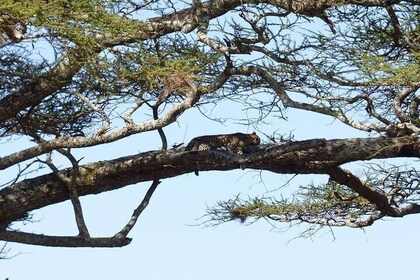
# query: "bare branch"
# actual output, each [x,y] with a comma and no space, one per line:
[127,117]
[162,135]
[78,142]
[107,121]
[398,100]
[137,212]
[414,108]
[62,241]
[70,184]
[20,173]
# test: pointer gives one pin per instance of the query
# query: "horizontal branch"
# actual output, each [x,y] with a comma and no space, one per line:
[300,157]
[62,241]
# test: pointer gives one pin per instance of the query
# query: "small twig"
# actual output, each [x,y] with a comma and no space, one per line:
[137,212]
[21,173]
[107,121]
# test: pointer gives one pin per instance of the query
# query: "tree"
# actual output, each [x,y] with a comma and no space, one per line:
[111,71]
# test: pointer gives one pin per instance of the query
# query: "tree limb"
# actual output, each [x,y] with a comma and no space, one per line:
[137,212]
[301,157]
[344,177]
[62,241]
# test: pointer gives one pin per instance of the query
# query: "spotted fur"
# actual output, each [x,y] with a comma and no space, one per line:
[236,142]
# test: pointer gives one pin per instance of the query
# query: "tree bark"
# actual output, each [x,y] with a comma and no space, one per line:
[316,156]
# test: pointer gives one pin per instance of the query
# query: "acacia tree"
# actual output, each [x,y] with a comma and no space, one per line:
[111,69]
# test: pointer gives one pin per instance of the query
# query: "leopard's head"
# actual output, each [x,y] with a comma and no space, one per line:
[255,139]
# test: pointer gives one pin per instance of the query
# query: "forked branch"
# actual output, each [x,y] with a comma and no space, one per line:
[118,240]
[70,184]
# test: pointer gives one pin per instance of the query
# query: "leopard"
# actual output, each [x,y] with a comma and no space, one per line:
[236,142]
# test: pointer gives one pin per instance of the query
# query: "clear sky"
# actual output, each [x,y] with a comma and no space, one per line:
[169,243]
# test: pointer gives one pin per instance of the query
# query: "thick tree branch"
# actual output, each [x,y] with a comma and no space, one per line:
[344,177]
[83,239]
[376,197]
[304,157]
